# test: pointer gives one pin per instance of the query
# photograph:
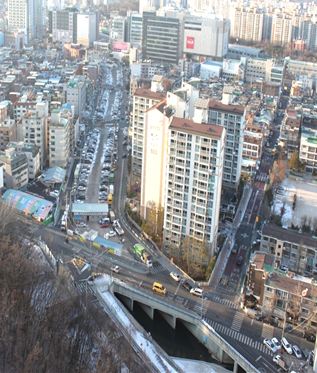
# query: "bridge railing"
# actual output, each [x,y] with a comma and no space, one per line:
[242,358]
[158,298]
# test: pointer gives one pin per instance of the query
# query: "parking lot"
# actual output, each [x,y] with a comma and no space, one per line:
[98,155]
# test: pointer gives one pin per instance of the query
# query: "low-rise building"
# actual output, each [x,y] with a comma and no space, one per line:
[8,132]
[210,70]
[32,152]
[294,250]
[15,168]
[282,294]
[308,145]
[290,130]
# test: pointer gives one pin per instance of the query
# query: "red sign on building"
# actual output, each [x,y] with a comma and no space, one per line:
[190,42]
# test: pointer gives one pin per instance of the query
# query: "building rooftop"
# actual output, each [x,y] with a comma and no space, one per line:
[147,93]
[202,103]
[233,109]
[288,235]
[188,125]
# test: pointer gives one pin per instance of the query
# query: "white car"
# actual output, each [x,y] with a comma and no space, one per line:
[270,345]
[55,193]
[111,234]
[196,291]
[276,343]
[115,269]
[82,225]
[175,276]
[297,352]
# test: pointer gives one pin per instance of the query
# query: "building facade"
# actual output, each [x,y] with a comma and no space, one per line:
[34,129]
[59,138]
[206,36]
[161,39]
[193,182]
[143,100]
[232,118]
[15,168]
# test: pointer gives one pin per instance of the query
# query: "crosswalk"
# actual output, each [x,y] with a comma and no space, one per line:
[83,287]
[237,321]
[267,331]
[225,302]
[60,233]
[201,307]
[224,330]
[157,269]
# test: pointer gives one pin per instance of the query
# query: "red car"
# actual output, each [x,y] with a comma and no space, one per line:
[104,225]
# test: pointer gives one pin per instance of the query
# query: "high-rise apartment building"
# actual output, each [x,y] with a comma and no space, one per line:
[143,100]
[281,29]
[309,35]
[232,118]
[28,15]
[247,24]
[161,38]
[193,182]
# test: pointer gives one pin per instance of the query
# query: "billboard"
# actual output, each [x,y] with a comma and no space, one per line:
[190,42]
[118,46]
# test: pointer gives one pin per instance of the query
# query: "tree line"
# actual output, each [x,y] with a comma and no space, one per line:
[45,325]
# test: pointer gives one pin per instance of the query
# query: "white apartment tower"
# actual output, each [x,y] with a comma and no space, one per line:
[75,93]
[247,24]
[34,128]
[193,182]
[232,118]
[143,100]
[28,15]
[281,29]
[59,137]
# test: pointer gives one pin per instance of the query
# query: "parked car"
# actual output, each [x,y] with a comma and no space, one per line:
[239,262]
[81,225]
[175,276]
[297,352]
[305,353]
[234,249]
[276,343]
[269,344]
[310,335]
[287,347]
[111,233]
[104,225]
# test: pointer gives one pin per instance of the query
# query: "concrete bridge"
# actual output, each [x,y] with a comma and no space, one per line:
[173,312]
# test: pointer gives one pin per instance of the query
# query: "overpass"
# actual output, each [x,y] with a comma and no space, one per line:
[172,312]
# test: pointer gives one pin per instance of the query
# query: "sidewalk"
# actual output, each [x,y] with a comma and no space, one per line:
[225,252]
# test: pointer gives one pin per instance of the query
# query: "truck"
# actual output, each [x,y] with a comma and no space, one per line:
[112,216]
[117,228]
[280,362]
[146,259]
[111,188]
[139,250]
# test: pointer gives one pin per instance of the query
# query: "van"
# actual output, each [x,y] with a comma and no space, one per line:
[159,288]
[287,347]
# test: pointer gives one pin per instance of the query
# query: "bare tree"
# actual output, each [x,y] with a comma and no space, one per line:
[277,174]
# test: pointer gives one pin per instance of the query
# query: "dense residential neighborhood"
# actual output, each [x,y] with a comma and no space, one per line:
[158,175]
